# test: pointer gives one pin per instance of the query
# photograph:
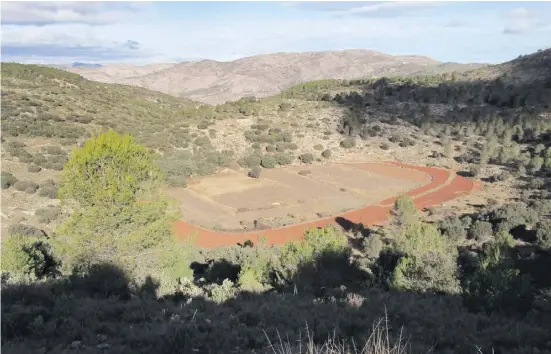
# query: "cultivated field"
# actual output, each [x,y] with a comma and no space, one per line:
[232,201]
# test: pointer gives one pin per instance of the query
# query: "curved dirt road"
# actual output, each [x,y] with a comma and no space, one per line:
[444,186]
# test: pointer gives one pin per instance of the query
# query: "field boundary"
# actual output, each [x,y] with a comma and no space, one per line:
[444,186]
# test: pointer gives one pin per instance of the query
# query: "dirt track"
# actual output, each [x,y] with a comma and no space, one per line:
[444,186]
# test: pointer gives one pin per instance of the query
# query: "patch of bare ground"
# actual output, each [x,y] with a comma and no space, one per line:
[284,196]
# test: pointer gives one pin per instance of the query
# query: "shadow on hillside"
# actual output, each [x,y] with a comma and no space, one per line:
[327,296]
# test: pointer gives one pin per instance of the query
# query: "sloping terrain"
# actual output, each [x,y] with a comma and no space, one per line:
[263,75]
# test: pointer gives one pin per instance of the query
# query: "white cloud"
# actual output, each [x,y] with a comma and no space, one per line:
[519,12]
[47,13]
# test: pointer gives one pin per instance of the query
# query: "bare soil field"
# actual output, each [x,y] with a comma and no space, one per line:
[441,185]
[288,195]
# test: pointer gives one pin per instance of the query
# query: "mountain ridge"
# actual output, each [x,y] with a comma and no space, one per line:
[213,82]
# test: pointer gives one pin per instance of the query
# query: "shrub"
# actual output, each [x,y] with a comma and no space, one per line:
[326,153]
[48,190]
[7,180]
[26,186]
[318,147]
[293,146]
[384,146]
[34,168]
[270,148]
[474,170]
[250,161]
[283,158]
[316,244]
[25,230]
[24,256]
[202,141]
[481,231]
[223,292]
[255,172]
[49,214]
[536,163]
[372,246]
[256,146]
[348,143]
[306,158]
[543,234]
[428,263]
[404,213]
[496,284]
[268,161]
[453,228]
[109,169]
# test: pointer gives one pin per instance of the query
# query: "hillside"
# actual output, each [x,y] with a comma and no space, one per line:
[264,75]
[100,270]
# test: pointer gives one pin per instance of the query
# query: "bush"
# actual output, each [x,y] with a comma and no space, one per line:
[24,257]
[268,161]
[316,244]
[453,228]
[384,146]
[34,168]
[326,153]
[255,172]
[404,213]
[250,161]
[26,186]
[306,158]
[49,214]
[474,170]
[110,170]
[318,147]
[293,146]
[270,148]
[283,158]
[48,190]
[7,180]
[348,143]
[428,263]
[543,234]
[481,231]
[25,230]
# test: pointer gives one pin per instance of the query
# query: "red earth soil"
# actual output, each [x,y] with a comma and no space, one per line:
[437,191]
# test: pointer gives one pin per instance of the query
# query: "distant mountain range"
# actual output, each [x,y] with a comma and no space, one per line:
[211,81]
[77,64]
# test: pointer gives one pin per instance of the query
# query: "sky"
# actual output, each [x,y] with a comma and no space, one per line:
[153,32]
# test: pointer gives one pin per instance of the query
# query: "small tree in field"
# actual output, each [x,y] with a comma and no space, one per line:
[123,218]
[404,213]
[109,170]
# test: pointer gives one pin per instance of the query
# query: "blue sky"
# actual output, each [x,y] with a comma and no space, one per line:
[148,32]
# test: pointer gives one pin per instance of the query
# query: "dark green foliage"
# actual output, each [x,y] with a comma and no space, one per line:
[454,228]
[26,186]
[25,230]
[283,158]
[348,143]
[49,214]
[268,161]
[34,168]
[306,158]
[255,172]
[7,180]
[481,231]
[543,234]
[48,189]
[250,161]
[326,153]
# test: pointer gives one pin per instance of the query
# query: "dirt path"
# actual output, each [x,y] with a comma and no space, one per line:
[444,186]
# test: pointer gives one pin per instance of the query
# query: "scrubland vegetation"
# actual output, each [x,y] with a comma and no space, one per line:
[111,278]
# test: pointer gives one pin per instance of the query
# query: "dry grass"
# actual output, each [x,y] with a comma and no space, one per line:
[378,342]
